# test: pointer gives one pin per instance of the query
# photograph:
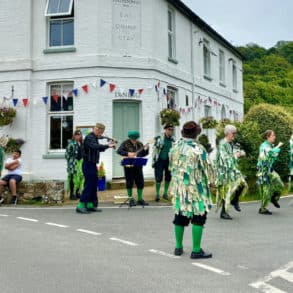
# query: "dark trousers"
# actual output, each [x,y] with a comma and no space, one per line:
[134,174]
[89,193]
[162,166]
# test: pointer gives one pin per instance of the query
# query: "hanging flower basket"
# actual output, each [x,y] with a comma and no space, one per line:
[208,122]
[7,115]
[13,145]
[170,116]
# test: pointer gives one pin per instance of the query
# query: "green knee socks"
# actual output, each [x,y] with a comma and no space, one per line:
[129,192]
[179,231]
[139,194]
[158,186]
[166,187]
[196,237]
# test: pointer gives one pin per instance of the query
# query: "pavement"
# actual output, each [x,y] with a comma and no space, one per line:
[54,249]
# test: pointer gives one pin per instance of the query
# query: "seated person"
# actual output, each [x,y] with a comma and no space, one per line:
[14,175]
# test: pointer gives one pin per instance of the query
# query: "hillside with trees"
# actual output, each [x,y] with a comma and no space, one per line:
[268,75]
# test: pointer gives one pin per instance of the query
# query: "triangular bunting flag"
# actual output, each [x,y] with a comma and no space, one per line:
[25,101]
[56,98]
[85,88]
[112,87]
[164,92]
[75,92]
[94,84]
[131,92]
[15,102]
[156,88]
[65,95]
[159,84]
[140,91]
[45,99]
[102,82]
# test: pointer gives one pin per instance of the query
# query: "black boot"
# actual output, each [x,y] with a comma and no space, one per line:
[235,200]
[274,199]
[224,215]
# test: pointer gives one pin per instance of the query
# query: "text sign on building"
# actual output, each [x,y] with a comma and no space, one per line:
[126,30]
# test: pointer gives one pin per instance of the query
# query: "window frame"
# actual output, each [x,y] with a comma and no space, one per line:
[60,13]
[234,77]
[207,60]
[222,68]
[60,113]
[171,34]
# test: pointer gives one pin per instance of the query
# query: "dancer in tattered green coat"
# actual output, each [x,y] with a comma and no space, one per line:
[189,188]
[269,181]
[291,164]
[73,155]
[230,182]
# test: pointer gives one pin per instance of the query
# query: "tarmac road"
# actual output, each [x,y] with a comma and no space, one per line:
[131,250]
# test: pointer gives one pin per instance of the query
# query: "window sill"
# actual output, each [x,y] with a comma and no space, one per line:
[235,91]
[223,84]
[172,60]
[207,78]
[54,156]
[59,50]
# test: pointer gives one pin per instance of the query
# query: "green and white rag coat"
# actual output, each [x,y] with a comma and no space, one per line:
[228,176]
[291,164]
[268,179]
[74,166]
[192,174]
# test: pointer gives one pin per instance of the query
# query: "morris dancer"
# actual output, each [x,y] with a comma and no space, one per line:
[161,149]
[230,182]
[269,181]
[189,188]
[132,148]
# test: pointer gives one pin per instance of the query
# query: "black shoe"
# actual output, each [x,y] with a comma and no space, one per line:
[82,210]
[94,209]
[165,197]
[13,200]
[236,206]
[142,203]
[275,203]
[132,202]
[178,251]
[200,254]
[157,198]
[264,212]
[225,216]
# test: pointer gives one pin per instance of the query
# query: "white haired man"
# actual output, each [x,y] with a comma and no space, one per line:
[229,181]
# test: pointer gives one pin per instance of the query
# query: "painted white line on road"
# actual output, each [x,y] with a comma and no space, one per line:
[282,272]
[88,232]
[27,219]
[212,269]
[123,241]
[2,215]
[163,253]
[57,225]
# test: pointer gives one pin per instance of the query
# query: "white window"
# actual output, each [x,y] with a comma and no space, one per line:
[207,59]
[172,97]
[234,76]
[60,15]
[171,34]
[60,115]
[207,111]
[223,113]
[222,67]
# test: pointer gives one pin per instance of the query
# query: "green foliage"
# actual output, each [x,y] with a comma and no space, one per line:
[170,116]
[278,119]
[208,122]
[13,145]
[204,141]
[7,115]
[101,170]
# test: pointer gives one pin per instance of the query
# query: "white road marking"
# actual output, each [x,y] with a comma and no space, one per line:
[1,215]
[27,219]
[212,269]
[88,232]
[123,241]
[282,272]
[57,225]
[163,253]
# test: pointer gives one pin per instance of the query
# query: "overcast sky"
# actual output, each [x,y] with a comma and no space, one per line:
[264,22]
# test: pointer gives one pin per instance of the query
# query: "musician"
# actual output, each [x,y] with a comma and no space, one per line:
[132,148]
[91,155]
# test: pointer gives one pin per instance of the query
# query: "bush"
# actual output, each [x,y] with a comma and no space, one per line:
[268,116]
[170,116]
[13,145]
[204,141]
[7,115]
[208,122]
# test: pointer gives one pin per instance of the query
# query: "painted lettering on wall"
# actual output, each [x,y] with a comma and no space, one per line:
[126,28]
